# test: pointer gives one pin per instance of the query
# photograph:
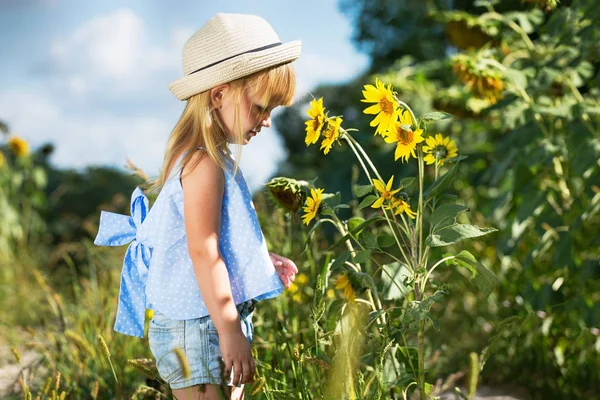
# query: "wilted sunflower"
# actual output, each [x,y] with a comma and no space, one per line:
[385,106]
[439,149]
[406,139]
[314,126]
[313,203]
[331,133]
[482,80]
[18,146]
[287,193]
[385,192]
[400,206]
[343,282]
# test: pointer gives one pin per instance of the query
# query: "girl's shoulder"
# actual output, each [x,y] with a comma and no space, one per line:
[202,172]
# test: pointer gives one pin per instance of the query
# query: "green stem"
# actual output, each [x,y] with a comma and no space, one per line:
[354,145]
[421,350]
[420,210]
[498,17]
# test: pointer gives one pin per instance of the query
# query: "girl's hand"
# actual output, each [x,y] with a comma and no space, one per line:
[237,357]
[286,269]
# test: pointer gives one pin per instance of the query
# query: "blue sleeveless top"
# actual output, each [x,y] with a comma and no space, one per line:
[158,272]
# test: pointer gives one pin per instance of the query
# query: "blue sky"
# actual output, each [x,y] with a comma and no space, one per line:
[91,77]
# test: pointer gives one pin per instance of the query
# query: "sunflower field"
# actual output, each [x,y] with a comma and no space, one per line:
[443,209]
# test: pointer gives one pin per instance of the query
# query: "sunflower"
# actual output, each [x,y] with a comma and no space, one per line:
[484,82]
[313,203]
[287,193]
[439,149]
[343,282]
[331,133]
[406,139]
[400,206]
[314,126]
[385,192]
[385,106]
[18,146]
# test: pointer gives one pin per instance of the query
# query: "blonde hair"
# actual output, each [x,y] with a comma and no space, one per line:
[200,125]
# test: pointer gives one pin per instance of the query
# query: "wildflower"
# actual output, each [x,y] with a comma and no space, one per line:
[343,282]
[293,288]
[439,149]
[406,140]
[18,146]
[385,106]
[297,297]
[314,126]
[385,192]
[312,205]
[331,133]
[149,314]
[301,279]
[400,206]
[330,293]
[287,193]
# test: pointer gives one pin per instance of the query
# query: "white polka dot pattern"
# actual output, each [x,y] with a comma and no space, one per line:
[164,278]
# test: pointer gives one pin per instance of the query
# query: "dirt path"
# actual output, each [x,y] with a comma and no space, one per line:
[10,369]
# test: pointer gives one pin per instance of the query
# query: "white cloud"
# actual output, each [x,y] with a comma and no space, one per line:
[113,51]
[85,139]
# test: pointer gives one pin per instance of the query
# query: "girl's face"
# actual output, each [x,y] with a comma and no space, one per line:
[254,115]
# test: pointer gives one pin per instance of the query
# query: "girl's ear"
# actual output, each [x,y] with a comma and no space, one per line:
[217,94]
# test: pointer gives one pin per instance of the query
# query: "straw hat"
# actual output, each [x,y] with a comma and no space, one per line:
[228,47]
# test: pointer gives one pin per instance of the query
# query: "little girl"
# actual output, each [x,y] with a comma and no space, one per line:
[198,258]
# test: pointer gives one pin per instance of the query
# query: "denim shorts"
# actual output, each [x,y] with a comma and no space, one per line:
[199,341]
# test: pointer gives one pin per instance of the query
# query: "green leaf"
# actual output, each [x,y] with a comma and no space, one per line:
[393,277]
[369,240]
[445,215]
[518,77]
[435,116]
[332,199]
[367,201]
[441,182]
[339,261]
[407,182]
[384,240]
[354,222]
[363,190]
[341,206]
[312,229]
[353,231]
[328,211]
[362,256]
[456,233]
[482,278]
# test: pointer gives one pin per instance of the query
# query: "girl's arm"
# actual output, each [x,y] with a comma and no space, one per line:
[202,198]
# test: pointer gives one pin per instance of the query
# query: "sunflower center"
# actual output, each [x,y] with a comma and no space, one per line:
[316,124]
[386,106]
[440,152]
[405,137]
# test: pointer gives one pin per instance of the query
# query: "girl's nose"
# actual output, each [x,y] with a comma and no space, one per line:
[266,122]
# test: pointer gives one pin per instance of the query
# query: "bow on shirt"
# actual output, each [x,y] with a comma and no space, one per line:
[117,230]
